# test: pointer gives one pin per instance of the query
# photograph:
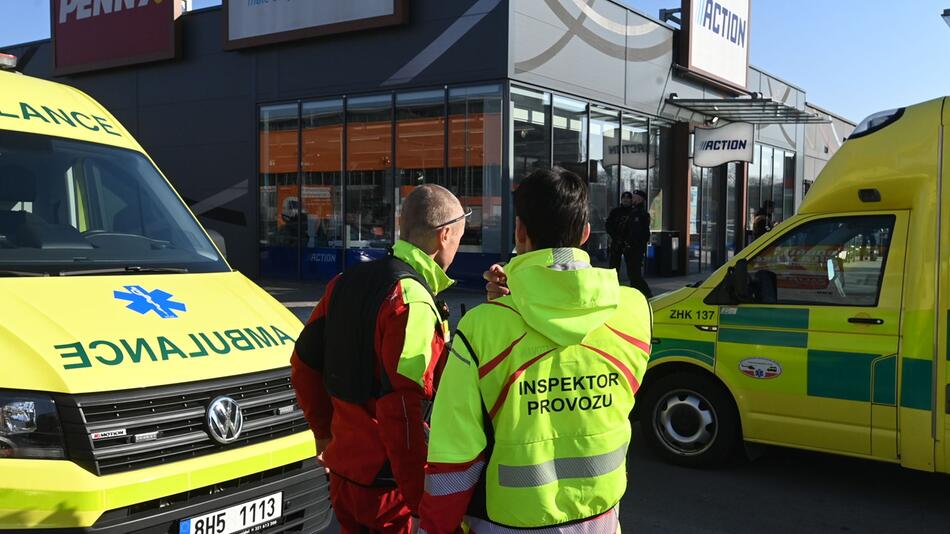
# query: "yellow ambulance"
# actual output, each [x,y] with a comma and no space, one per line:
[145,385]
[830,332]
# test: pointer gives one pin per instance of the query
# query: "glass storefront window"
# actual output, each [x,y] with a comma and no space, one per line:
[420,141]
[765,188]
[695,218]
[279,190]
[778,185]
[531,132]
[322,188]
[789,184]
[755,182]
[771,179]
[604,178]
[732,210]
[713,218]
[660,200]
[569,120]
[370,193]
[334,171]
[635,153]
[475,154]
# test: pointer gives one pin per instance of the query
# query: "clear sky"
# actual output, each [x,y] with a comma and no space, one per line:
[852,57]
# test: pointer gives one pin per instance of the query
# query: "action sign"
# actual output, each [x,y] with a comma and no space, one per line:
[99,34]
[717,33]
[715,146]
[258,22]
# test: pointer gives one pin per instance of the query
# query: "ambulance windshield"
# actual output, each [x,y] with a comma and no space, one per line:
[71,206]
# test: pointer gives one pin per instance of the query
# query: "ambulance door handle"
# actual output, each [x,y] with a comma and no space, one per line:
[865,320]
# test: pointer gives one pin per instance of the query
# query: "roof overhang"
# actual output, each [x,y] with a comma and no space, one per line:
[755,109]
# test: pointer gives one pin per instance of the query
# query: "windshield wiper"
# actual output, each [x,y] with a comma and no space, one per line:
[22,273]
[131,269]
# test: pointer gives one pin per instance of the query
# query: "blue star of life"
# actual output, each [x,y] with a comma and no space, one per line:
[158,301]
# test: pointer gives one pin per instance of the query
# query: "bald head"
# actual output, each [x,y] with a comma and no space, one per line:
[426,207]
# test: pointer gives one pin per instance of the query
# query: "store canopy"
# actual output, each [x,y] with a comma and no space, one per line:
[757,110]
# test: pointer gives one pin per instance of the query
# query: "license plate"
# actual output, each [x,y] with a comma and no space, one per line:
[251,516]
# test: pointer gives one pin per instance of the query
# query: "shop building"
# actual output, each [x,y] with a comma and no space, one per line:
[298,138]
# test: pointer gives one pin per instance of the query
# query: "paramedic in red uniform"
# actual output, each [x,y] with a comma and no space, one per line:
[365,367]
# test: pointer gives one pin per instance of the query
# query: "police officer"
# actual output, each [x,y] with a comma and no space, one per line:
[366,366]
[629,228]
[617,229]
[530,427]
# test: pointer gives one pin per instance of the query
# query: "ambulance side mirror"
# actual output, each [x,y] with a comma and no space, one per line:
[734,288]
[741,285]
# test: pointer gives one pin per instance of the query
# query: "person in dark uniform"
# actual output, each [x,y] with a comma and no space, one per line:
[629,228]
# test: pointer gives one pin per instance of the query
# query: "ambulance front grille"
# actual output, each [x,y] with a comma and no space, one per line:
[121,431]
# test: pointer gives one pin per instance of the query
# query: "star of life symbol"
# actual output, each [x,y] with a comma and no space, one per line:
[158,301]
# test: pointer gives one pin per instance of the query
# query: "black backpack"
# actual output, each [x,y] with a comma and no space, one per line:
[341,344]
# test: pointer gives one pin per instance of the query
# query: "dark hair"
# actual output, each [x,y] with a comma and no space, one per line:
[552,205]
[626,194]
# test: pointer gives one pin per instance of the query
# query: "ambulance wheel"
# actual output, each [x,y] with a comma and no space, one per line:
[689,420]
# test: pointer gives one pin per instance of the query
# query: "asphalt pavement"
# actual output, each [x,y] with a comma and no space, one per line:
[781,491]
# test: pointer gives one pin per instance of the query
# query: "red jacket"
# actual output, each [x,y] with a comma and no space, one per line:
[387,430]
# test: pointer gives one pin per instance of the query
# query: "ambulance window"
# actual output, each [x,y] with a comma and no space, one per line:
[837,262]
[68,206]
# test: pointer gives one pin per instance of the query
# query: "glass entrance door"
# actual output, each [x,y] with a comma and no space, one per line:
[712,210]
[715,218]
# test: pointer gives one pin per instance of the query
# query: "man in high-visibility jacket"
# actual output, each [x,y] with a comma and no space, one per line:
[369,360]
[530,427]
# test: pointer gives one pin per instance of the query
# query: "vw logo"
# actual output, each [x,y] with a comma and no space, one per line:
[225,420]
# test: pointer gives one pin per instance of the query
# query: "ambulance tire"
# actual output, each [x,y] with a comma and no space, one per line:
[690,420]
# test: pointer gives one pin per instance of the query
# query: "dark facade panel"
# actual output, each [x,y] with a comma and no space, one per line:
[462,47]
[200,78]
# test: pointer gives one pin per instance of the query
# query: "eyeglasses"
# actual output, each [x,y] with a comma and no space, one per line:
[466,215]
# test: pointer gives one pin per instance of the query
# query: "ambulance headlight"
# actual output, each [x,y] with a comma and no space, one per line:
[29,426]
[876,122]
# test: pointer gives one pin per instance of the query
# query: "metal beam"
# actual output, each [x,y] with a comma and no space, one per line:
[754,110]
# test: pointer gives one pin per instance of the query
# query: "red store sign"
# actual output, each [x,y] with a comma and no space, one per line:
[99,34]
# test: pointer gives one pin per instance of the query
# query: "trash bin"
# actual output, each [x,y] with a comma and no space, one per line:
[649,267]
[667,251]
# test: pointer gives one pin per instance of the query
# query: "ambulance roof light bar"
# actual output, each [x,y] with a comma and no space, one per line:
[7,61]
